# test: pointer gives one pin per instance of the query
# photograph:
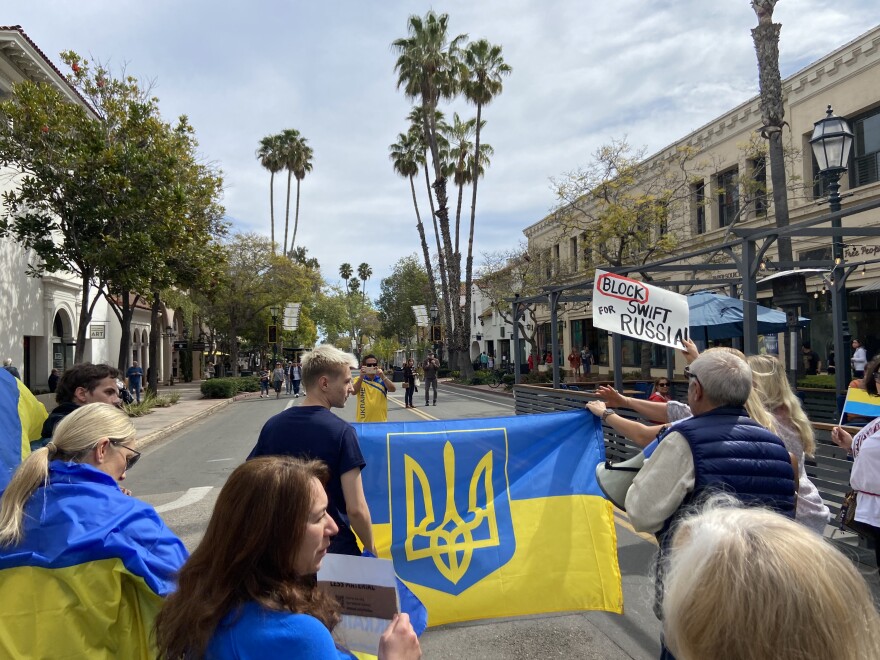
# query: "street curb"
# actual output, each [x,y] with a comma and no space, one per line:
[176,426]
[498,392]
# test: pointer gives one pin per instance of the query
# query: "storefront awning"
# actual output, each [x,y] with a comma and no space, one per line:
[873,287]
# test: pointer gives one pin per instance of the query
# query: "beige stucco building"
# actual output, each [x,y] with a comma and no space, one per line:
[728,185]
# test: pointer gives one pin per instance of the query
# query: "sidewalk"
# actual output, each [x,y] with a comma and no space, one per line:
[162,422]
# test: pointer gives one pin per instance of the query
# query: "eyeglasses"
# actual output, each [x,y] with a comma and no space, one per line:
[690,374]
[132,458]
[371,364]
[662,384]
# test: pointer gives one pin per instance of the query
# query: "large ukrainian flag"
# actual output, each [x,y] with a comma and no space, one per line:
[21,420]
[90,574]
[494,517]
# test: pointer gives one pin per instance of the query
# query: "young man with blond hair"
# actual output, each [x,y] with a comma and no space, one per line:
[312,431]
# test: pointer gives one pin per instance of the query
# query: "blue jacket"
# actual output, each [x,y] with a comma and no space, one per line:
[735,454]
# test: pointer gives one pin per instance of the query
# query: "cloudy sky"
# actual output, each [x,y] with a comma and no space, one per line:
[583,73]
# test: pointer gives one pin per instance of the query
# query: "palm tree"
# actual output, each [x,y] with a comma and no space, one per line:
[485,68]
[302,164]
[288,138]
[345,272]
[406,155]
[269,155]
[428,67]
[417,130]
[364,273]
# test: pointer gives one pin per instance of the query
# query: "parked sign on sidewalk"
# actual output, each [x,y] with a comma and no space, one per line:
[639,310]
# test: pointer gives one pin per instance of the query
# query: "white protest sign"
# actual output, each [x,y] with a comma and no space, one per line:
[639,310]
[366,589]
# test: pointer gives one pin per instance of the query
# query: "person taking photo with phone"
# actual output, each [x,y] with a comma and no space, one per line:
[371,389]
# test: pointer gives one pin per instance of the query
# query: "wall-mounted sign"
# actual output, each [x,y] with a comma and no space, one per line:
[96,331]
[198,346]
[181,345]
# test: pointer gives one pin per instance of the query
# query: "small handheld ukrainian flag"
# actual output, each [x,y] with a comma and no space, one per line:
[494,517]
[860,402]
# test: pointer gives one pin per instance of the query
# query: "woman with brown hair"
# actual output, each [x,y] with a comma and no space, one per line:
[249,589]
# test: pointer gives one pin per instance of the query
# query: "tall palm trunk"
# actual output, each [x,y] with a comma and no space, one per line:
[427,254]
[439,186]
[441,257]
[295,215]
[287,213]
[272,207]
[469,265]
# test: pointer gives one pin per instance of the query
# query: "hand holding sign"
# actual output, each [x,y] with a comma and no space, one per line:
[639,310]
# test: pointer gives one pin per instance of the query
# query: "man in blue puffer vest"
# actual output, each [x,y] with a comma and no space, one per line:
[718,449]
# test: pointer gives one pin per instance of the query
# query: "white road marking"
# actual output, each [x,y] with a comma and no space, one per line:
[218,460]
[191,496]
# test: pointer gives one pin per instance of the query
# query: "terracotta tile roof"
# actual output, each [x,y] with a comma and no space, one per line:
[20,30]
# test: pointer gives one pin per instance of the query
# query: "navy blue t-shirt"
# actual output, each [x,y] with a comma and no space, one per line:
[314,432]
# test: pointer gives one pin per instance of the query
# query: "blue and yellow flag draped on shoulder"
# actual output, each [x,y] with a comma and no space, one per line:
[494,517]
[21,420]
[88,578]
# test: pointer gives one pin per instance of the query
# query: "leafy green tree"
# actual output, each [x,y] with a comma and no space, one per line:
[253,281]
[109,193]
[407,285]
[271,156]
[510,274]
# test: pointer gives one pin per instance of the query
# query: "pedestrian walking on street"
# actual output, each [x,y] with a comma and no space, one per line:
[135,376]
[278,379]
[288,382]
[430,367]
[409,383]
[54,377]
[574,363]
[295,377]
[7,364]
[264,382]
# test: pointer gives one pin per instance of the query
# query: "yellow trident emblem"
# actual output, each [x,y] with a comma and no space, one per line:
[454,535]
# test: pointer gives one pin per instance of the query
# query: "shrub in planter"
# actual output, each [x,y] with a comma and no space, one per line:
[220,388]
[248,384]
[443,372]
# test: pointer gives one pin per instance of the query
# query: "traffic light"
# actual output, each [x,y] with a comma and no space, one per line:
[273,334]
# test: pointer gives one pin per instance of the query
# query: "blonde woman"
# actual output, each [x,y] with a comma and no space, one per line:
[83,566]
[794,429]
[736,588]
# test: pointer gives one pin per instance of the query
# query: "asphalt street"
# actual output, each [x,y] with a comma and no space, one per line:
[182,475]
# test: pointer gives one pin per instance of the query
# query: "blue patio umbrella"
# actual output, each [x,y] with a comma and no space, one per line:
[716,316]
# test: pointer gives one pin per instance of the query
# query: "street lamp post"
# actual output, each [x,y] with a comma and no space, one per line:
[831,142]
[435,314]
[273,333]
